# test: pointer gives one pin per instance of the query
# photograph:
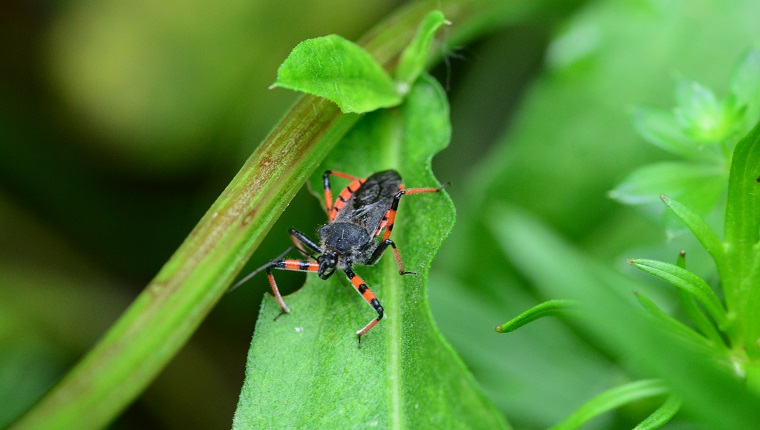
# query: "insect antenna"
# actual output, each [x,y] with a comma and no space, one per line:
[252,274]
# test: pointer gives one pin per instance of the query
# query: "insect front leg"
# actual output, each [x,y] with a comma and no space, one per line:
[299,240]
[370,297]
[293,265]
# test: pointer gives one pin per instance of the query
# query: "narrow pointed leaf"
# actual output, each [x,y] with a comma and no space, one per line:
[416,56]
[698,318]
[662,415]
[338,70]
[694,312]
[700,229]
[305,369]
[661,128]
[686,281]
[545,309]
[611,399]
[673,324]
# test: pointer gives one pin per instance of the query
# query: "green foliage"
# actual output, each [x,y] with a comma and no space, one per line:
[165,124]
[700,128]
[642,343]
[572,121]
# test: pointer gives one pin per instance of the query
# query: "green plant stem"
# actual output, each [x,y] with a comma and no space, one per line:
[167,312]
[741,284]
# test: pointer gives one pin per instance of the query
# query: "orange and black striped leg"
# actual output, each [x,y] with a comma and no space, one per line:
[294,265]
[379,253]
[370,297]
[390,217]
[299,240]
[332,210]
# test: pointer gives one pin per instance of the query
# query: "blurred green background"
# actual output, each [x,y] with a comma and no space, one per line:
[121,123]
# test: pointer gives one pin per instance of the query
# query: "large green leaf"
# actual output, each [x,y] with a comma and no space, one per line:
[305,370]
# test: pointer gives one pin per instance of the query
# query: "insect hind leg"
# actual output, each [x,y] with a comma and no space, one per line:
[332,209]
[378,252]
[390,217]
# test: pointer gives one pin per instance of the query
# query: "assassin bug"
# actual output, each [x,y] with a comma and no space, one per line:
[363,210]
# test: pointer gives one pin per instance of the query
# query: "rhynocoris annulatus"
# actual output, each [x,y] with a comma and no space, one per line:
[362,211]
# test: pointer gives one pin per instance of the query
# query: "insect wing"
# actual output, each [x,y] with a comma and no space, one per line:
[371,201]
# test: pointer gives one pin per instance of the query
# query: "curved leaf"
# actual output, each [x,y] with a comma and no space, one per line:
[305,370]
[662,415]
[351,78]
[415,57]
[611,399]
[686,281]
[545,309]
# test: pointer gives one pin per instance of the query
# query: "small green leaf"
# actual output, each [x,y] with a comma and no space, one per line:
[338,70]
[611,399]
[415,57]
[698,318]
[686,281]
[645,184]
[305,370]
[701,230]
[545,309]
[662,415]
[702,116]
[661,128]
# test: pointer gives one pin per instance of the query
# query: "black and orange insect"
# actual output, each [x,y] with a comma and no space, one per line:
[362,211]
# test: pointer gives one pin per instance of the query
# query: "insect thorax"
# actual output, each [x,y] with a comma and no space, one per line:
[347,239]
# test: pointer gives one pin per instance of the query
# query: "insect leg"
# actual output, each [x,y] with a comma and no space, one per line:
[332,210]
[294,265]
[390,216]
[387,223]
[378,252]
[370,297]
[299,240]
